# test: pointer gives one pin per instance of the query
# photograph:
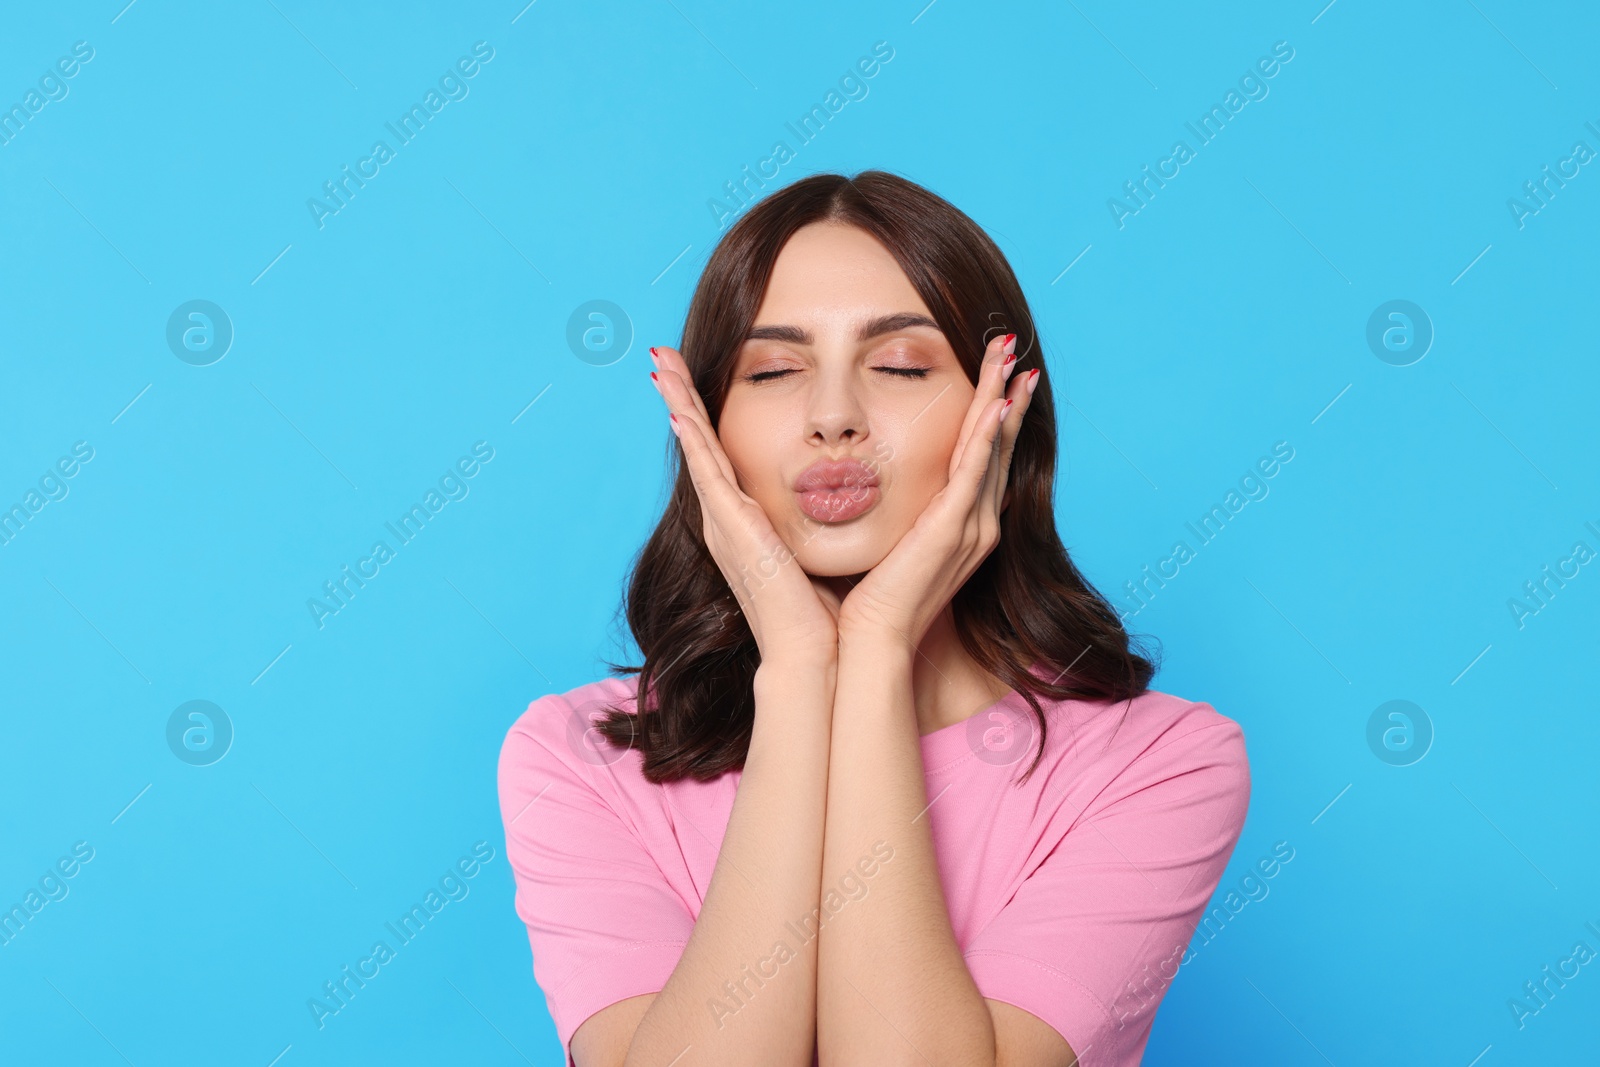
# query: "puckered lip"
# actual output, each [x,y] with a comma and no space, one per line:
[835,474]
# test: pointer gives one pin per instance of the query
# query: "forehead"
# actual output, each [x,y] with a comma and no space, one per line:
[830,276]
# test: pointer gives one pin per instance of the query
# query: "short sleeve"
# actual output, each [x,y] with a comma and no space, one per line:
[1091,939]
[602,921]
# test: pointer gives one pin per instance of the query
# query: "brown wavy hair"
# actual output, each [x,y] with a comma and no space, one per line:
[1026,615]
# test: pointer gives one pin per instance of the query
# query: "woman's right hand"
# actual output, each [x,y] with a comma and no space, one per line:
[792,616]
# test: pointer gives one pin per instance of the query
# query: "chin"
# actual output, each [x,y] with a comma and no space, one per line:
[837,568]
[840,552]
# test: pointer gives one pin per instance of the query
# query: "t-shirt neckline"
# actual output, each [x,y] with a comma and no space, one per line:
[950,744]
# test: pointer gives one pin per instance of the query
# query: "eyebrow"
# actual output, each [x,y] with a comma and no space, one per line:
[902,320]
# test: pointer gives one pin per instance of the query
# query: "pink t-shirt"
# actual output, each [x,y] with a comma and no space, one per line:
[1072,895]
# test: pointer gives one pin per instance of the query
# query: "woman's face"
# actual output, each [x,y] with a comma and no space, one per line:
[845,363]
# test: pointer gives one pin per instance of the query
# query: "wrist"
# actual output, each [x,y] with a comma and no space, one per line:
[875,643]
[799,664]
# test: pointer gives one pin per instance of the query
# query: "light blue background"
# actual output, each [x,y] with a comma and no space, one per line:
[1228,314]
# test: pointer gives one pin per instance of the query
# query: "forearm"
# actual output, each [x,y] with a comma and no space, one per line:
[892,984]
[744,990]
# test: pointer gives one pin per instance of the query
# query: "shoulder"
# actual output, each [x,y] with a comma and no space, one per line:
[1199,751]
[1174,728]
[1160,739]
[552,736]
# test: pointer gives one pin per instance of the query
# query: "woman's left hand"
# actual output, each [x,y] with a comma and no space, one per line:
[907,590]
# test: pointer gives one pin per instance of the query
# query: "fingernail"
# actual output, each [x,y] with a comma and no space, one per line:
[672,417]
[1007,409]
[1033,380]
[653,357]
[1010,344]
[655,380]
[1007,367]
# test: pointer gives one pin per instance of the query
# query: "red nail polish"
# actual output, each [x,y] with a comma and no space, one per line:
[653,377]
[1007,409]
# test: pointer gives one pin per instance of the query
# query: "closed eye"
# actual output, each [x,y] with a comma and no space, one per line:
[904,372]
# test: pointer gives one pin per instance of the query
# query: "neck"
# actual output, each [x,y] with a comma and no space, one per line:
[948,684]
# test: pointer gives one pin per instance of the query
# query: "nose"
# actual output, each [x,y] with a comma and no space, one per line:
[835,414]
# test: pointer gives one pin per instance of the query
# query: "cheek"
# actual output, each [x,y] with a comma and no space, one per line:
[918,466]
[747,437]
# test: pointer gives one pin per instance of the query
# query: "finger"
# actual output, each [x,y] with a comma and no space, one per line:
[989,504]
[979,453]
[985,504]
[714,474]
[704,473]
[683,401]
[721,502]
[1020,392]
[671,359]
[991,384]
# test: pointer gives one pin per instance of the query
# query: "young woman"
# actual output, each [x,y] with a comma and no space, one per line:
[898,792]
